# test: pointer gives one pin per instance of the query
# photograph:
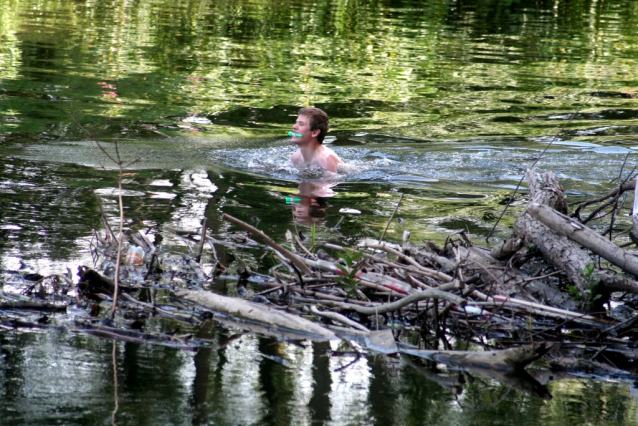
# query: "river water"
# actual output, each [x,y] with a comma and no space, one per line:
[446,102]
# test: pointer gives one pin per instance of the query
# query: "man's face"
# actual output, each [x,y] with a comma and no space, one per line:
[302,126]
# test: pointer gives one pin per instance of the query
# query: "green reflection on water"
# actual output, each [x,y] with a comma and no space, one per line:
[136,70]
[432,68]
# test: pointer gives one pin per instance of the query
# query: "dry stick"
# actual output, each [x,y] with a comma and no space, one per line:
[415,282]
[120,237]
[190,318]
[600,208]
[285,252]
[394,306]
[117,160]
[616,209]
[622,168]
[104,219]
[338,317]
[391,217]
[336,227]
[383,282]
[534,165]
[198,259]
[324,297]
[424,271]
[542,310]
[300,244]
[626,186]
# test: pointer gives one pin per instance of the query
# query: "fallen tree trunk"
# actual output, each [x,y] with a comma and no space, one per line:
[558,250]
[585,236]
[562,252]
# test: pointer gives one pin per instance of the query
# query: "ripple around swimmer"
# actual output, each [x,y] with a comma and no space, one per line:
[478,163]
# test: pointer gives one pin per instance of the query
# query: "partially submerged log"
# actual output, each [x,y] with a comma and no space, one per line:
[256,312]
[502,360]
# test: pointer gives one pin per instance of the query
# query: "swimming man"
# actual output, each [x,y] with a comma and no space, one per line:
[312,125]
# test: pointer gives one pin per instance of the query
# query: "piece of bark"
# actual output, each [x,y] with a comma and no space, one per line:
[256,312]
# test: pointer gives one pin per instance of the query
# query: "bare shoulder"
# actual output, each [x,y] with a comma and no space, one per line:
[329,159]
[331,154]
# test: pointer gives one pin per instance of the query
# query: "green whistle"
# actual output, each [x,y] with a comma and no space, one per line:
[294,134]
[293,200]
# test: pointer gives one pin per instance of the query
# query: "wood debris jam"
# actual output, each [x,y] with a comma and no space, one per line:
[545,294]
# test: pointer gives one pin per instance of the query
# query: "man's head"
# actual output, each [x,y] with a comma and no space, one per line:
[318,121]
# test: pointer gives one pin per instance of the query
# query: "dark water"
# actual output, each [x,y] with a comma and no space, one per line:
[447,102]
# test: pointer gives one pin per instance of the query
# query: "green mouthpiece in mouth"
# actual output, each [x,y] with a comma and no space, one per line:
[294,134]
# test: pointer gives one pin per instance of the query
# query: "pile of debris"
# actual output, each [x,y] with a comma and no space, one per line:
[556,291]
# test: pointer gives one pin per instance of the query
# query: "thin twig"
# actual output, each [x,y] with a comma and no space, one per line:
[391,217]
[198,259]
[265,238]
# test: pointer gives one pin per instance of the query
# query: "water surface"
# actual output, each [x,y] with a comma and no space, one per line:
[446,102]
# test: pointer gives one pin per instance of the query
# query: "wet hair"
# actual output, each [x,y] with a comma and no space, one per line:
[318,121]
